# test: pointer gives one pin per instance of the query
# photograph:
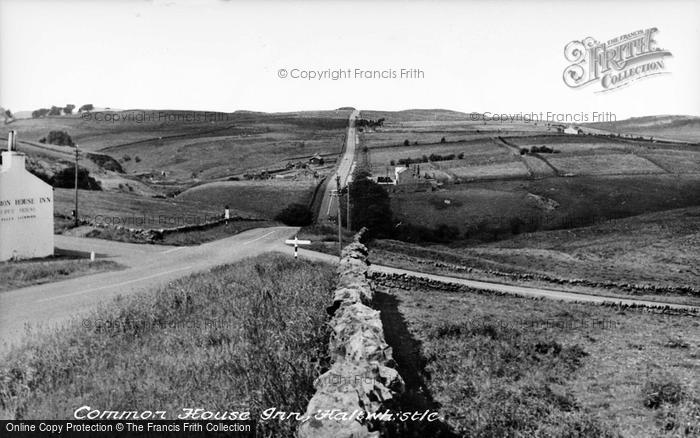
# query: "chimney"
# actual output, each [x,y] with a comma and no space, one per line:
[11,158]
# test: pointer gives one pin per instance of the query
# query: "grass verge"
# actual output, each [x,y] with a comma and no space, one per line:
[181,238]
[508,366]
[241,337]
[30,272]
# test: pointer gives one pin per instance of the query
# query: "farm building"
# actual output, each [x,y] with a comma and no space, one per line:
[406,175]
[573,130]
[316,159]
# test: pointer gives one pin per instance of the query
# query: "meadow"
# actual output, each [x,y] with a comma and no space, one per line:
[653,249]
[262,198]
[678,128]
[134,211]
[241,337]
[498,184]
[510,366]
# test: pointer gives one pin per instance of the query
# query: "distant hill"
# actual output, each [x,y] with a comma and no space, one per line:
[417,114]
[683,128]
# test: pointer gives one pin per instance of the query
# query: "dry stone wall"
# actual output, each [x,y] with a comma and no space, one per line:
[362,379]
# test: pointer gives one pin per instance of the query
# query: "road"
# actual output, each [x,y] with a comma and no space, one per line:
[329,205]
[151,266]
[148,267]
[524,291]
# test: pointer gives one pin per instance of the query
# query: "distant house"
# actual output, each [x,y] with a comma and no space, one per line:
[316,159]
[572,130]
[406,175]
[398,171]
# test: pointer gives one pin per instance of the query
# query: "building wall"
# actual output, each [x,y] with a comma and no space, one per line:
[26,211]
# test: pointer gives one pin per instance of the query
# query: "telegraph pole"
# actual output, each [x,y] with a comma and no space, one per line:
[340,219]
[347,222]
[76,184]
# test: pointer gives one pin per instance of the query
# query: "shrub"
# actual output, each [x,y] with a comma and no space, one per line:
[137,159]
[442,140]
[65,179]
[296,215]
[60,138]
[661,390]
[406,142]
[86,107]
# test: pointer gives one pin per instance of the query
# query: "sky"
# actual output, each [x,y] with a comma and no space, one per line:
[496,56]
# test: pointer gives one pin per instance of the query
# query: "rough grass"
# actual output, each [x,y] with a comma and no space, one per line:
[135,211]
[183,238]
[241,337]
[659,249]
[26,273]
[264,198]
[515,367]
[493,210]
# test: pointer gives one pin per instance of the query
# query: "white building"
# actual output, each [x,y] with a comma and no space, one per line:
[572,130]
[26,209]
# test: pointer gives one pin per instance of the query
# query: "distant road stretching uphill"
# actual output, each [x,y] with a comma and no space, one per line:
[344,167]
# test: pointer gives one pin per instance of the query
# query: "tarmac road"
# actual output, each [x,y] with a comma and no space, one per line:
[329,205]
[148,267]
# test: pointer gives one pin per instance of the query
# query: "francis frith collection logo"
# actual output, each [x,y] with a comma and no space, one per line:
[616,62]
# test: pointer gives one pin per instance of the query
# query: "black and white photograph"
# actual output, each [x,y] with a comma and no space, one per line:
[350,219]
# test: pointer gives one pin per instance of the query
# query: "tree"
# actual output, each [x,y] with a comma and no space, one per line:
[55,111]
[442,140]
[65,179]
[295,215]
[86,107]
[68,109]
[41,112]
[406,142]
[371,207]
[7,114]
[60,138]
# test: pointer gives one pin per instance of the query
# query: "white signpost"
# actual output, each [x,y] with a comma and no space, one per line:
[296,242]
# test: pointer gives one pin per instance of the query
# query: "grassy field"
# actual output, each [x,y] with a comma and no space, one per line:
[166,152]
[493,210]
[37,271]
[242,337]
[108,128]
[139,211]
[658,249]
[256,143]
[495,190]
[262,198]
[681,128]
[603,164]
[507,366]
